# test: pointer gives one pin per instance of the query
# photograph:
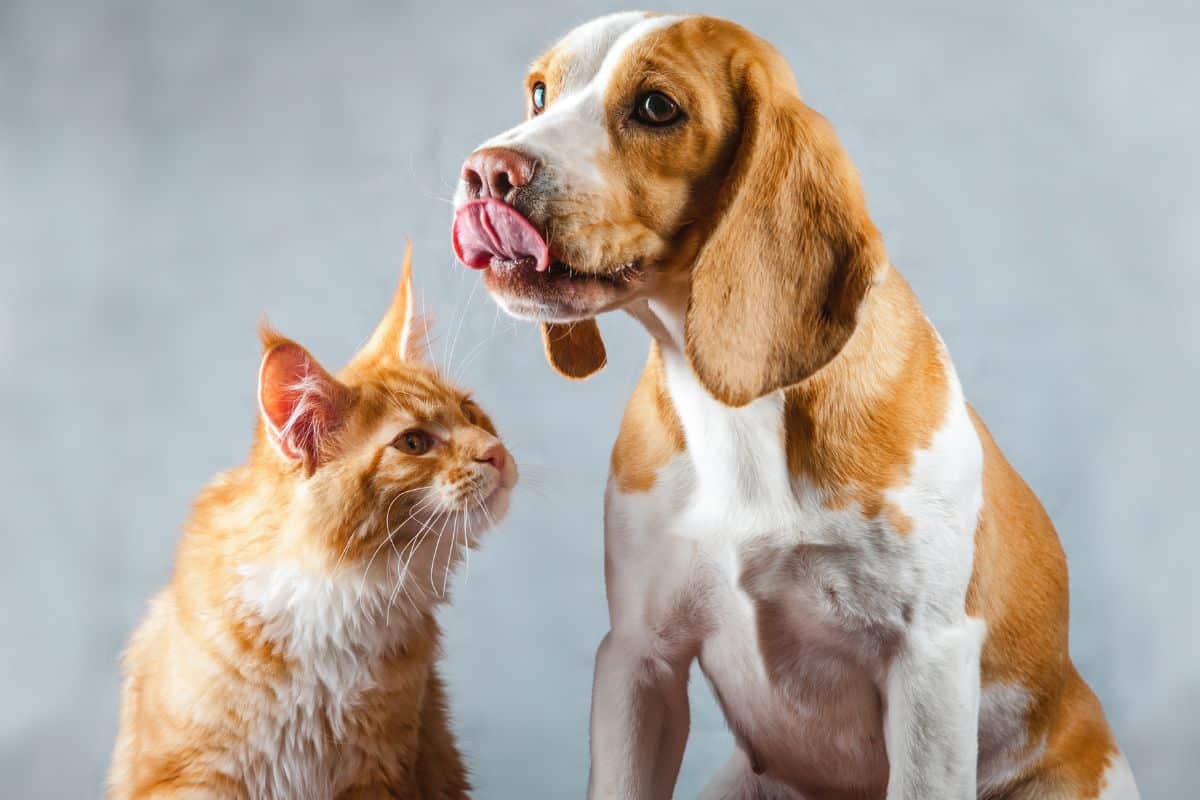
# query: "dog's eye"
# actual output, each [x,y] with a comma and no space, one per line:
[414,442]
[538,95]
[655,108]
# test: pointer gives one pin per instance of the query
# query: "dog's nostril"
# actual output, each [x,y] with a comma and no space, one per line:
[501,184]
[474,182]
[497,172]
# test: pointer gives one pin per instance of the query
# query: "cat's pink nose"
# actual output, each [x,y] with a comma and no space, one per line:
[495,455]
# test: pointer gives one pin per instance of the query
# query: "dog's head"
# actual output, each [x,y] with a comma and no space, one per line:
[673,154]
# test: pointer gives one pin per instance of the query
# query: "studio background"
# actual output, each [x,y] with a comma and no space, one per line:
[169,171]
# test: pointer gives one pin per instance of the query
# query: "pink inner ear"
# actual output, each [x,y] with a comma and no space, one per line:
[301,403]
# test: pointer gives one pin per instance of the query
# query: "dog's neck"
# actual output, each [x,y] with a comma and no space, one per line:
[743,447]
[738,455]
[886,323]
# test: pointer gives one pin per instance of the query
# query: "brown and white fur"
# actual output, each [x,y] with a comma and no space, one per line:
[293,653]
[800,497]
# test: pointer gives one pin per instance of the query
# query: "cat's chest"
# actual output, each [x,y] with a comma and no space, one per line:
[323,718]
[304,746]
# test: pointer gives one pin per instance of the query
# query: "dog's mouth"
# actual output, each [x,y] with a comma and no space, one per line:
[523,275]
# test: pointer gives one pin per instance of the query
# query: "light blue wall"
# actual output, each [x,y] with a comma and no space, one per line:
[170,170]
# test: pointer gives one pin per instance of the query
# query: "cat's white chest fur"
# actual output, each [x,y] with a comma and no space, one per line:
[333,630]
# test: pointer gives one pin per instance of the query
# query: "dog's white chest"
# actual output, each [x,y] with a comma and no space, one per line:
[791,627]
[794,606]
[793,656]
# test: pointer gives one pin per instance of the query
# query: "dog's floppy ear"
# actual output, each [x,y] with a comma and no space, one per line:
[574,349]
[777,286]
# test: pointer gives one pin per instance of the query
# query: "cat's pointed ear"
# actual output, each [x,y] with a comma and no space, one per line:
[302,406]
[402,333]
[574,349]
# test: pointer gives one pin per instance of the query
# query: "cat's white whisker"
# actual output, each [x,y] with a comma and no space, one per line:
[471,355]
[467,541]
[415,545]
[366,527]
[417,540]
[414,542]
[387,516]
[478,497]
[483,507]
[402,573]
[453,522]
[390,533]
[401,584]
[458,329]
[433,558]
[451,548]
[535,477]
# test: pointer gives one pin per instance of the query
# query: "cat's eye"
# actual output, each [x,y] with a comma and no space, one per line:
[414,442]
[655,109]
[538,97]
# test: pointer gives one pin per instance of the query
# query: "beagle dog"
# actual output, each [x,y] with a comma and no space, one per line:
[800,497]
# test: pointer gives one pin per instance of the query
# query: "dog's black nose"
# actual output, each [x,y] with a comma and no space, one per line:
[497,172]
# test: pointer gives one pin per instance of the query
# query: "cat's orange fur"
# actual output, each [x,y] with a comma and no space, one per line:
[293,652]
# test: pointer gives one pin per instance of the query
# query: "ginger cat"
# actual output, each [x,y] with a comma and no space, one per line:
[293,653]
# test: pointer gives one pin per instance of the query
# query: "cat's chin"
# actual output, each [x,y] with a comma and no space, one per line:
[496,507]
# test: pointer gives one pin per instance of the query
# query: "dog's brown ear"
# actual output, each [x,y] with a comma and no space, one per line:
[574,349]
[777,286]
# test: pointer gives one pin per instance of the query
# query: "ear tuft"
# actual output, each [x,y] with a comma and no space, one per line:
[402,334]
[268,335]
[302,406]
[575,350]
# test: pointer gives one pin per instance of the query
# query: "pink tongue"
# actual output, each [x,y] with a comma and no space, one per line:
[489,228]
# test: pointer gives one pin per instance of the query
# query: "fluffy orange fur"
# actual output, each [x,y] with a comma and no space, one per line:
[293,652]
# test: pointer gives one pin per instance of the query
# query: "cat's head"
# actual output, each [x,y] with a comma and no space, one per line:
[386,459]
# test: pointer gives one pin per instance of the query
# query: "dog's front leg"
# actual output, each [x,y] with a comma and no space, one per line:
[639,721]
[932,713]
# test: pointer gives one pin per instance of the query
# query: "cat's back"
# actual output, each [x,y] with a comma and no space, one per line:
[170,682]
[149,726]
[197,678]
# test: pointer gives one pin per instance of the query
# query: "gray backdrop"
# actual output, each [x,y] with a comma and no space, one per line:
[171,170]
